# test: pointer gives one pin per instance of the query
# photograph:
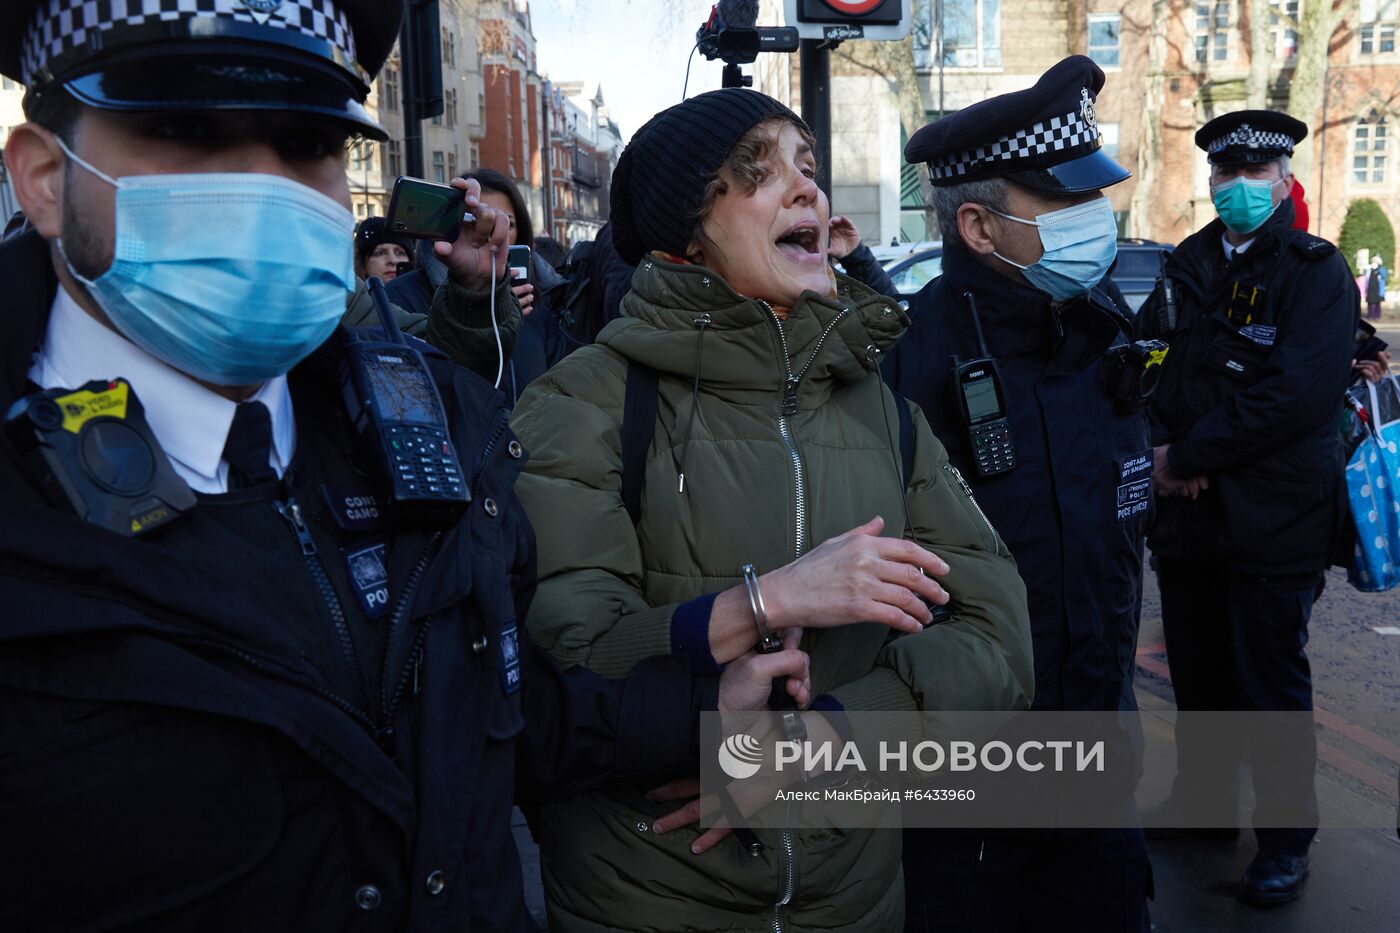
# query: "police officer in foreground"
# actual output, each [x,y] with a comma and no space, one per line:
[1248,462]
[1018,357]
[249,680]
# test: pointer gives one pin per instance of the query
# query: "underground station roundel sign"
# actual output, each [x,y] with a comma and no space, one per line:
[853,7]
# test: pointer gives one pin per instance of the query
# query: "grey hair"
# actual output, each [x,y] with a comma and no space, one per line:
[1285,166]
[991,192]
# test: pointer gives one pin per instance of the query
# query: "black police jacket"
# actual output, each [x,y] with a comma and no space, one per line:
[1250,397]
[1073,511]
[181,743]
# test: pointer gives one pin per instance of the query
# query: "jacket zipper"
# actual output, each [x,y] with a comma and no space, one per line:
[967,490]
[410,672]
[291,513]
[791,384]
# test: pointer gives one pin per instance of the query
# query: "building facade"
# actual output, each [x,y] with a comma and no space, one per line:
[1170,66]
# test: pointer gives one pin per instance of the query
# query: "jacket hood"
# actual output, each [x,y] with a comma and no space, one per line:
[842,337]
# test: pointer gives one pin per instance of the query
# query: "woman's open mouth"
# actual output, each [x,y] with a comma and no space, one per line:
[801,242]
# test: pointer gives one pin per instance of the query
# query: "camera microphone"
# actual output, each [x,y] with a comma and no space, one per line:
[738,14]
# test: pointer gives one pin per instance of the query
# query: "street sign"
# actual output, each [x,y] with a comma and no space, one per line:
[839,20]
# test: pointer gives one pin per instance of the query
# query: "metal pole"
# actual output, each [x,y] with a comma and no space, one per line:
[940,58]
[412,120]
[814,59]
[1322,147]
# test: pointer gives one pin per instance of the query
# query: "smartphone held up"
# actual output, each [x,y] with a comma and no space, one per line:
[425,210]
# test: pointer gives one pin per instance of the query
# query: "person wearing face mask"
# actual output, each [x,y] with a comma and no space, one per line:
[273,704]
[770,441]
[1028,237]
[1248,462]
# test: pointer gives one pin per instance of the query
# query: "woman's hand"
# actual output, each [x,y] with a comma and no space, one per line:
[525,294]
[844,238]
[856,577]
[468,260]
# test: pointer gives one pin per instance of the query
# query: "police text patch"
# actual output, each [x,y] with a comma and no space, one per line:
[369,578]
[510,657]
[1262,334]
[1134,493]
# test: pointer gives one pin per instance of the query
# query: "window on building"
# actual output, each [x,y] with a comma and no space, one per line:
[971,33]
[452,165]
[395,157]
[439,167]
[450,106]
[389,89]
[1379,20]
[1103,38]
[449,48]
[1283,20]
[481,108]
[1212,30]
[1109,132]
[362,157]
[1370,144]
[475,157]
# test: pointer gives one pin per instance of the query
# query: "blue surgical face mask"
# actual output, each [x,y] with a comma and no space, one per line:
[1080,244]
[230,278]
[1244,203]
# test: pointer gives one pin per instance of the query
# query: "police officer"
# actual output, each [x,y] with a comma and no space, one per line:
[1028,237]
[273,708]
[1248,463]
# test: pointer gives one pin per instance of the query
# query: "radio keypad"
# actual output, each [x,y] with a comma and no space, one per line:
[991,445]
[423,463]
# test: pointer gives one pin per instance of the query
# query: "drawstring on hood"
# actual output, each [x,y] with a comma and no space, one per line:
[701,321]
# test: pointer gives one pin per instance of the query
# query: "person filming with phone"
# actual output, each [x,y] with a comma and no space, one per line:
[260,664]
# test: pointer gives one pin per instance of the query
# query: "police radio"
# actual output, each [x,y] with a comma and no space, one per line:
[982,404]
[93,453]
[402,425]
[1167,311]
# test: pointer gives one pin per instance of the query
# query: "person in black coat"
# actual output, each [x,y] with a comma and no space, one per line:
[1070,496]
[1248,458]
[275,703]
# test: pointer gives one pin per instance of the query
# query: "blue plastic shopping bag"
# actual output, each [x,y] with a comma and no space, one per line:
[1373,487]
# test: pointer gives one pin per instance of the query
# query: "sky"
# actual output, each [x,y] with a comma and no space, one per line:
[636,48]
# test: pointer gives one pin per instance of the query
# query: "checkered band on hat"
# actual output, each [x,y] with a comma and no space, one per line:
[61,26]
[1057,134]
[1250,138]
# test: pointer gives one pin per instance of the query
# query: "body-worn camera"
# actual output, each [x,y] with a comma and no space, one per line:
[1130,373]
[93,453]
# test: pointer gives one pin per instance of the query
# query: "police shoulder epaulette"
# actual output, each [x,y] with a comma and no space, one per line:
[1313,247]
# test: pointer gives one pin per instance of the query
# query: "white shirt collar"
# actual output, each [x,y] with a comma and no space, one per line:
[190,421]
[1231,250]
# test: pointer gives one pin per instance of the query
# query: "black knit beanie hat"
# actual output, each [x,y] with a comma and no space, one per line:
[659,184]
[374,231]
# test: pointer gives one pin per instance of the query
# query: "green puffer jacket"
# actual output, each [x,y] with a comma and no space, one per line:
[608,590]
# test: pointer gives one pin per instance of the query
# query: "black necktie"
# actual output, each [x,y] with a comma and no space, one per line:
[249,446]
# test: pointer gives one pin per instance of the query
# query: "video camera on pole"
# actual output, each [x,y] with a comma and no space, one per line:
[732,35]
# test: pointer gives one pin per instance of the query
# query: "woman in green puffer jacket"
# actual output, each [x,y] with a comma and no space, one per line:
[775,443]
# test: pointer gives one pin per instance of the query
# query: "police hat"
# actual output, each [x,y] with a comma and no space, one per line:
[1045,137]
[315,57]
[1250,136]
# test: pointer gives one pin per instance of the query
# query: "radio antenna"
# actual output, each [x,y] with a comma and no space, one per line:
[977,324]
[386,314]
